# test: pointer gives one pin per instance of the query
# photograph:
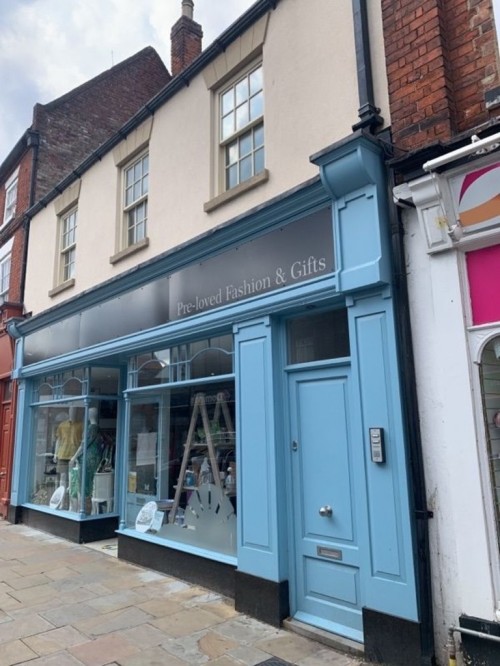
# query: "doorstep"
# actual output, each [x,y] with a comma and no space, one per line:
[345,645]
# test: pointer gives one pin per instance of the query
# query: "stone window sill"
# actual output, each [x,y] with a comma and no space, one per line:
[62,287]
[234,192]
[128,251]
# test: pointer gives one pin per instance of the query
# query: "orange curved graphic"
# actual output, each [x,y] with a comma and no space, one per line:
[479,197]
[481,213]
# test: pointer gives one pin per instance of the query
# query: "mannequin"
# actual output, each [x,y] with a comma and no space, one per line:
[93,448]
[68,439]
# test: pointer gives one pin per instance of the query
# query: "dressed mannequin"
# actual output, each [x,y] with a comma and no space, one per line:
[93,456]
[68,439]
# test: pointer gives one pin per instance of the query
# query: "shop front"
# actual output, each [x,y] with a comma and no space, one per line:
[453,251]
[232,410]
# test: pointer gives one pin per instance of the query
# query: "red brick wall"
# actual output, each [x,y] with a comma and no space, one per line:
[73,126]
[441,58]
[14,228]
[185,39]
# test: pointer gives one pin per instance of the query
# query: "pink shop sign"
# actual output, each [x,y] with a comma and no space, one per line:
[483,271]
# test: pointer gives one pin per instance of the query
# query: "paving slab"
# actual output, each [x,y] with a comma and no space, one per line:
[65,604]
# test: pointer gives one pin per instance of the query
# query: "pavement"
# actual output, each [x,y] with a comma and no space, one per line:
[63,604]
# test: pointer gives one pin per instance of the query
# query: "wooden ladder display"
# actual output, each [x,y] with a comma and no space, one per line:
[200,409]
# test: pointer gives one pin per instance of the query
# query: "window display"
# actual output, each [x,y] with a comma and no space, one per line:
[74,456]
[182,474]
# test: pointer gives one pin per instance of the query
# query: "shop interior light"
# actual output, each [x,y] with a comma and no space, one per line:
[477,146]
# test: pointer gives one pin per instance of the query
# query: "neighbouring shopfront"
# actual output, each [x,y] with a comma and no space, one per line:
[453,250]
[233,411]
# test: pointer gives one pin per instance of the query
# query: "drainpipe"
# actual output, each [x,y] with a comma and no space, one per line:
[411,419]
[367,112]
[33,140]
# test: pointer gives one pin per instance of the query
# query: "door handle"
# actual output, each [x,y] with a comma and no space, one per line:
[326,511]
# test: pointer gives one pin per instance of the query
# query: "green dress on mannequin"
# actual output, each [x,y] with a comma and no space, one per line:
[93,456]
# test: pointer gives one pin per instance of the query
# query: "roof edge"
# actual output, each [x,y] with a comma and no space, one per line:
[101,77]
[178,82]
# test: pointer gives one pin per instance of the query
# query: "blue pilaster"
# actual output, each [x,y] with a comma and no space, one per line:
[259,479]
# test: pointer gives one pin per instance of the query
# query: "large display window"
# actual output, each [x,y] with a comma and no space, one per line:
[74,426]
[182,468]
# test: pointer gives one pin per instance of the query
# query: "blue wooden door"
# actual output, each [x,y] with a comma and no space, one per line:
[326,586]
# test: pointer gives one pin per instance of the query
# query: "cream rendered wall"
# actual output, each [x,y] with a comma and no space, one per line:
[311,101]
[458,532]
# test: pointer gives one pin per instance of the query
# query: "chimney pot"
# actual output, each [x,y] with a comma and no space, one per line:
[187,8]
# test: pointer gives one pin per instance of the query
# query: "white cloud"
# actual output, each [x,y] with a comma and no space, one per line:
[48,47]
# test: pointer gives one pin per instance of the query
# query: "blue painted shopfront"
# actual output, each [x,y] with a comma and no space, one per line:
[323,529]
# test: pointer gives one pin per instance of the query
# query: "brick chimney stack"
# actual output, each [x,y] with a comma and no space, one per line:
[185,38]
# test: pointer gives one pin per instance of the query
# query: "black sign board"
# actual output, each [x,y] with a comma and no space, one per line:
[288,255]
[299,251]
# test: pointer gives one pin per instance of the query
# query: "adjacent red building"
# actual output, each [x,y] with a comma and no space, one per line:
[62,134]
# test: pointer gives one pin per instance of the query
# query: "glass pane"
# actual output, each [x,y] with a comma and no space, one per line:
[129,177]
[137,191]
[232,153]
[69,265]
[256,82]
[145,164]
[227,102]
[490,381]
[258,136]
[145,184]
[73,466]
[232,176]
[246,144]
[143,449]
[241,91]
[140,231]
[227,125]
[242,116]
[317,337]
[182,479]
[7,392]
[259,161]
[129,192]
[246,168]
[137,171]
[104,381]
[256,106]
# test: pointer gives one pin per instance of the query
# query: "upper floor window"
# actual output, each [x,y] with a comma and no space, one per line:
[68,245]
[136,186]
[4,277]
[242,128]
[10,198]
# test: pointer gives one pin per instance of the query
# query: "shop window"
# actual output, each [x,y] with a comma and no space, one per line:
[182,472]
[74,442]
[62,385]
[490,379]
[318,337]
[204,358]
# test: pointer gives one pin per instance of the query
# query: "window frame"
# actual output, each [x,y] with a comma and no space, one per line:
[139,203]
[5,261]
[239,133]
[69,249]
[11,194]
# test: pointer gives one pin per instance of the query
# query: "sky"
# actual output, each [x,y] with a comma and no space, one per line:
[48,47]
